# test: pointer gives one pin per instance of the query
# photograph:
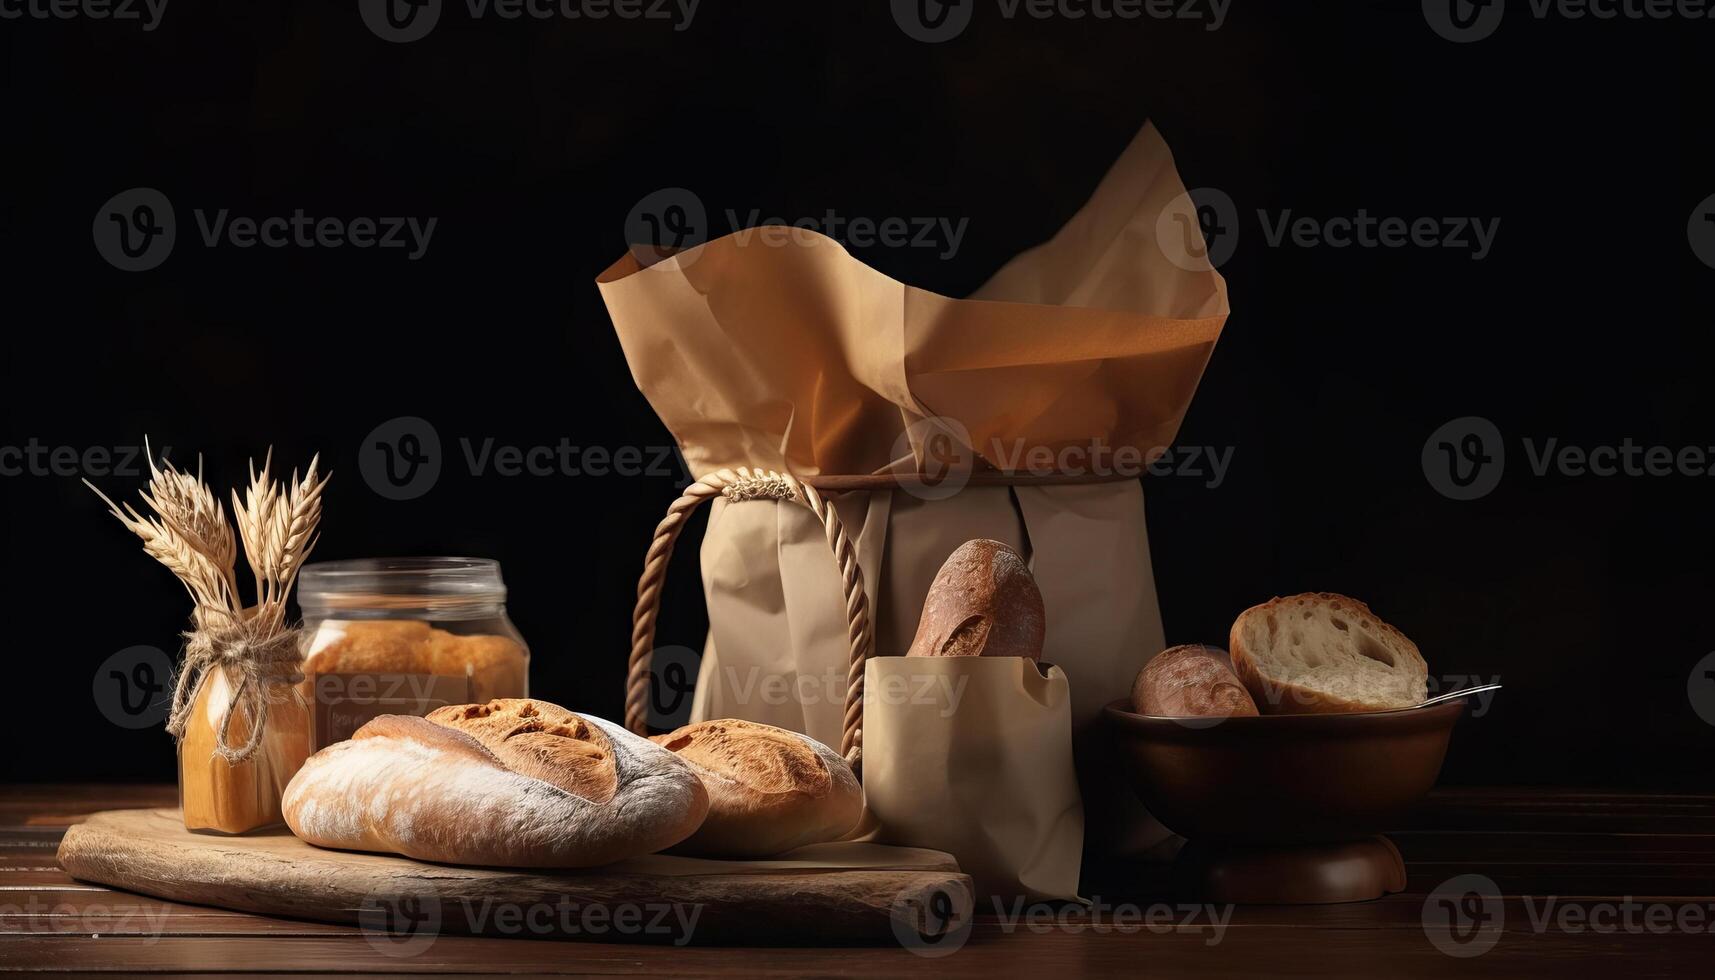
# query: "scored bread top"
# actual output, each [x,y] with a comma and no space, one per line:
[540,740]
[764,758]
[1320,651]
[982,602]
[1190,680]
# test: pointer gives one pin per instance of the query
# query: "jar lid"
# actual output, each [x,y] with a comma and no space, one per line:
[380,583]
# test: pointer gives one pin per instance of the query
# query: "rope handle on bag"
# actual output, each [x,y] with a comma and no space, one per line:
[740,485]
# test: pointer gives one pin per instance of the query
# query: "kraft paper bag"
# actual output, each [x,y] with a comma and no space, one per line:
[971,755]
[784,352]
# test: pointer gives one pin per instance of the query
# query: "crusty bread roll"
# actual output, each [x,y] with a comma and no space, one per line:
[770,789]
[983,602]
[511,783]
[1321,652]
[1190,681]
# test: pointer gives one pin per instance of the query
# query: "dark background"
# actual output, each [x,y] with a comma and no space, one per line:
[531,141]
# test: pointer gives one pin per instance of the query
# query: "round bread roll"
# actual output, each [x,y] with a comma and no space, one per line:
[770,790]
[983,602]
[1190,681]
[511,783]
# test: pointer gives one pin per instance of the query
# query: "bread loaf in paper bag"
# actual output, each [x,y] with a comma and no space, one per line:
[785,352]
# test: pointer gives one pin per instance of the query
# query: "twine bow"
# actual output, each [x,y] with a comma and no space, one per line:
[260,656]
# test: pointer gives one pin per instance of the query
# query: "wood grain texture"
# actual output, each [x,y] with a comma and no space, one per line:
[1530,842]
[150,852]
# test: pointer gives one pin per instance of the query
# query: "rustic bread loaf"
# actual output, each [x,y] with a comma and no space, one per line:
[1321,652]
[1190,681]
[983,602]
[770,790]
[510,783]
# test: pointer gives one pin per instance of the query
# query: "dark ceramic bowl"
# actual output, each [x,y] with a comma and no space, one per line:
[1283,779]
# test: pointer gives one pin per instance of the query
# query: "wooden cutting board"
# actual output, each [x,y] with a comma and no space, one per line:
[812,896]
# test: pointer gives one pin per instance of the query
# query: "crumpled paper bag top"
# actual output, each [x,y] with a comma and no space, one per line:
[793,355]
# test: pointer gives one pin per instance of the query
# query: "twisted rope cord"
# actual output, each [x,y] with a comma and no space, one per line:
[741,485]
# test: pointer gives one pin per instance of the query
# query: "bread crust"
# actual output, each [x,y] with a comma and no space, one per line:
[424,788]
[1284,695]
[770,790]
[983,602]
[1189,681]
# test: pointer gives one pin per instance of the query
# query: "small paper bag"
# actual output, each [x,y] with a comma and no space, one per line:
[972,755]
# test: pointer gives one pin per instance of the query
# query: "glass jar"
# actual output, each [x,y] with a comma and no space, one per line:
[220,797]
[404,636]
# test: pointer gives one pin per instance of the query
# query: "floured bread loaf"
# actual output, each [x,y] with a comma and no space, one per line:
[1321,652]
[511,783]
[770,790]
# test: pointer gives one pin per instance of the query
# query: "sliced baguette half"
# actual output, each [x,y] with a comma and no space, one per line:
[1321,652]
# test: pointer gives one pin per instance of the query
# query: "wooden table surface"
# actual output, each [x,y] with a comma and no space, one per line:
[1584,883]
